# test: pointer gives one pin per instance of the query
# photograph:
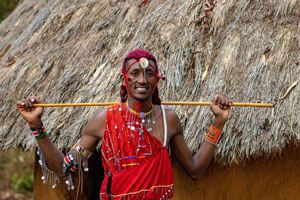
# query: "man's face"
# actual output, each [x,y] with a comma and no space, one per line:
[140,83]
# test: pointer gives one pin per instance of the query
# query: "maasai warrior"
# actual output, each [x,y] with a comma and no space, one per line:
[136,133]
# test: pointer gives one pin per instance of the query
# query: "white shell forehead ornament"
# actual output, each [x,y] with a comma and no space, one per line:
[144,62]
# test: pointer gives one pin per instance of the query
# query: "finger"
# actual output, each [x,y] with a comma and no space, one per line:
[226,103]
[29,102]
[20,104]
[26,106]
[37,100]
[32,100]
[221,102]
[230,102]
[23,103]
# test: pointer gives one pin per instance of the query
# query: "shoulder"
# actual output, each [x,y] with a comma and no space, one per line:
[173,121]
[98,117]
[96,124]
[171,115]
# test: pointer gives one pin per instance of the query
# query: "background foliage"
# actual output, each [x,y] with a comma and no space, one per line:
[6,7]
[16,174]
[15,165]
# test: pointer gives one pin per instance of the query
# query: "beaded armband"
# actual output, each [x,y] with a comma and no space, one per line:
[81,150]
[77,157]
[39,132]
[214,135]
[75,160]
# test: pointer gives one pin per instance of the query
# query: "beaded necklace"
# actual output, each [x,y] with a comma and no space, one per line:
[146,118]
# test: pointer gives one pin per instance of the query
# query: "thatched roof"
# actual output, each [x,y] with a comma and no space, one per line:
[71,51]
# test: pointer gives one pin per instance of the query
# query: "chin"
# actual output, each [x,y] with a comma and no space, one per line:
[141,97]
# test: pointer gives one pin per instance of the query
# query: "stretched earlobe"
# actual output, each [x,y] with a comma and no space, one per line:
[123,93]
[122,79]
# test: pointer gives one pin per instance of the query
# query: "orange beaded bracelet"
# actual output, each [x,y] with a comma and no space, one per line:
[214,135]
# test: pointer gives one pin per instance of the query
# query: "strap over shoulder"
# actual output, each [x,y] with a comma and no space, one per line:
[165,125]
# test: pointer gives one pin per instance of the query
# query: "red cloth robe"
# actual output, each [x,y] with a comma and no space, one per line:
[139,162]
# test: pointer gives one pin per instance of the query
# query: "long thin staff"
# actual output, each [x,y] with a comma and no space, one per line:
[165,103]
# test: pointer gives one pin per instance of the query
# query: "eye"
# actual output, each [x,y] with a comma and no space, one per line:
[150,73]
[134,73]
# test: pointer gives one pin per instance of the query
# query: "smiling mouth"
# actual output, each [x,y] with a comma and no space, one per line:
[141,89]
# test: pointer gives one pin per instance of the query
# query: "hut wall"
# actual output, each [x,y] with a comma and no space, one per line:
[44,191]
[263,178]
[90,190]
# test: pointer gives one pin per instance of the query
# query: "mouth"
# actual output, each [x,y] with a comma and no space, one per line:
[141,89]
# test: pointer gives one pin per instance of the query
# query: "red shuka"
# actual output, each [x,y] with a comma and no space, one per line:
[139,162]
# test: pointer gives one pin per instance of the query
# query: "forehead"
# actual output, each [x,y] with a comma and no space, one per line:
[137,65]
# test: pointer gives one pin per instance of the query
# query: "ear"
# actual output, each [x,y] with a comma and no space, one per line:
[122,79]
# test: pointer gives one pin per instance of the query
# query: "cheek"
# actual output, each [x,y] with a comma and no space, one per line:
[153,80]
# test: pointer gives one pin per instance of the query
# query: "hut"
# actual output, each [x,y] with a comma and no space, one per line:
[71,51]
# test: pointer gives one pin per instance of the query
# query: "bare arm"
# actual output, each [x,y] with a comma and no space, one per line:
[197,164]
[92,133]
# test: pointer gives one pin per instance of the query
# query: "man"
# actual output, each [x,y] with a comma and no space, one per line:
[136,134]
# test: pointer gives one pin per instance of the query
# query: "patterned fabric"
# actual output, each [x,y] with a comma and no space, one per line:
[126,142]
[139,162]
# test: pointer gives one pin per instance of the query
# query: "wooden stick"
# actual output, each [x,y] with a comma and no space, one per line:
[164,103]
[108,186]
[75,104]
[208,104]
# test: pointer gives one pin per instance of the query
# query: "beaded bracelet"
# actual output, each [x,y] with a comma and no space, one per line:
[69,166]
[214,135]
[39,132]
[81,150]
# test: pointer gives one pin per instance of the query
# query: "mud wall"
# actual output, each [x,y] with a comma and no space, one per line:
[263,178]
[90,190]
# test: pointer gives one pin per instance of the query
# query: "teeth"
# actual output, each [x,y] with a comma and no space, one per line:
[141,89]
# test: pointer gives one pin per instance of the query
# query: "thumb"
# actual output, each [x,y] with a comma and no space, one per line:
[216,99]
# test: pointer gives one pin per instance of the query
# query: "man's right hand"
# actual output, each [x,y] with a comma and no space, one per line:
[30,113]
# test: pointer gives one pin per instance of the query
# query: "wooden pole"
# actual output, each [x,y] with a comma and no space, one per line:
[164,103]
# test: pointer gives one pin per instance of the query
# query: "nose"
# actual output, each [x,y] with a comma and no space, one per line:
[142,77]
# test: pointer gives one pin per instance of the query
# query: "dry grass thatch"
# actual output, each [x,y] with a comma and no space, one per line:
[71,51]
